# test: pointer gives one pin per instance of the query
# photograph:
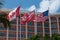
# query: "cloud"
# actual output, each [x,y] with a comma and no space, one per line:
[32,8]
[43,6]
[53,5]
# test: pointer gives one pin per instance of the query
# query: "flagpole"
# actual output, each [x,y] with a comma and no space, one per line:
[7,33]
[43,29]
[12,15]
[50,26]
[50,23]
[17,30]
[26,30]
[20,27]
[58,24]
[20,23]
[35,24]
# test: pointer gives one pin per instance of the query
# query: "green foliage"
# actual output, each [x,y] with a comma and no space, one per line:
[46,37]
[55,36]
[35,37]
[4,20]
[1,3]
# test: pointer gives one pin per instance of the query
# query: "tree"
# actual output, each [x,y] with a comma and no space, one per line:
[35,37]
[1,3]
[55,36]
[46,37]
[4,20]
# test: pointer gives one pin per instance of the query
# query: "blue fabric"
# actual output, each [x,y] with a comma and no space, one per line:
[45,13]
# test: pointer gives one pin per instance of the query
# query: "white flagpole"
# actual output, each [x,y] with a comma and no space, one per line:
[43,29]
[20,27]
[35,24]
[7,33]
[26,30]
[50,23]
[58,24]
[17,30]
[50,26]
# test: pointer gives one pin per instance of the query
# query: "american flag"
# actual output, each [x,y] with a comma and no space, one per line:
[41,17]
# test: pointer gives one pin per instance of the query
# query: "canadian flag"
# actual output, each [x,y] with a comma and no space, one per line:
[13,14]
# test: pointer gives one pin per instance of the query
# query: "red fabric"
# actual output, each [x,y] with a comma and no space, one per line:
[31,16]
[24,18]
[17,11]
[40,18]
[21,21]
[13,14]
[45,18]
[28,17]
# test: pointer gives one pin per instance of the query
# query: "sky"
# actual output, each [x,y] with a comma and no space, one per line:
[38,5]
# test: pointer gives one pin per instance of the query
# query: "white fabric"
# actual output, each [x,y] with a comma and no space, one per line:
[12,15]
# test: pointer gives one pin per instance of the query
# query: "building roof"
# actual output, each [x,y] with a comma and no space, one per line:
[24,11]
